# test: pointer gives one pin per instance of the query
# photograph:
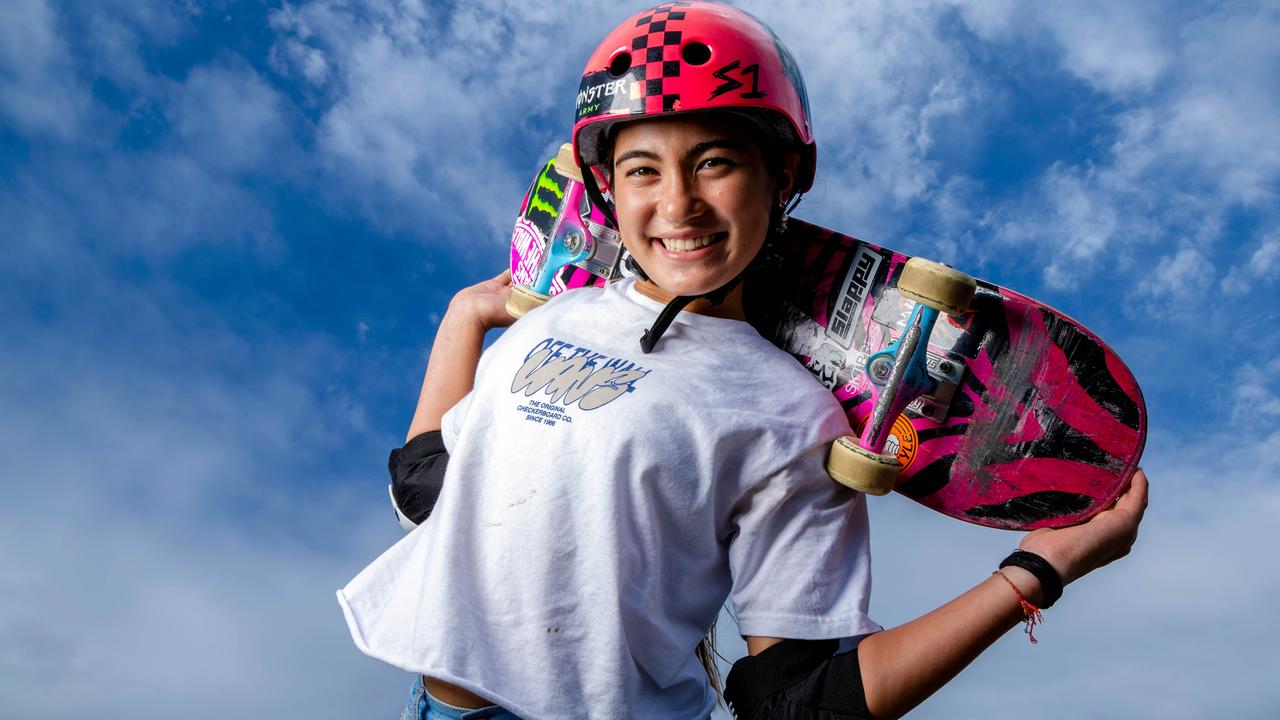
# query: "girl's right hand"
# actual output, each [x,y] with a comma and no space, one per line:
[1080,549]
[483,304]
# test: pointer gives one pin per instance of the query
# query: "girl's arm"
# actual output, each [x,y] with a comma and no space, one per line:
[451,369]
[902,666]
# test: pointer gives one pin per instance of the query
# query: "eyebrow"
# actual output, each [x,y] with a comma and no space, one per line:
[696,150]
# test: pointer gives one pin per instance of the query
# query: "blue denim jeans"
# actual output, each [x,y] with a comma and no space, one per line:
[422,706]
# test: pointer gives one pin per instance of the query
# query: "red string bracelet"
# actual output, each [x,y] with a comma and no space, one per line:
[1030,613]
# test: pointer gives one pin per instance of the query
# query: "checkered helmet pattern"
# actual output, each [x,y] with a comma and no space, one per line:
[689,56]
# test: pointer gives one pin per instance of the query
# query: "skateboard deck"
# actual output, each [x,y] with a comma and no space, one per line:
[1023,417]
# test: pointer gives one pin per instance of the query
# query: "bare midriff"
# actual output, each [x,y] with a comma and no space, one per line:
[453,695]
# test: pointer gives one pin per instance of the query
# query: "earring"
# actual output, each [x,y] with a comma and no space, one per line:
[781,226]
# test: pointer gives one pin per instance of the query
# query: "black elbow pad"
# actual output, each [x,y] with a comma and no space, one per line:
[417,477]
[798,680]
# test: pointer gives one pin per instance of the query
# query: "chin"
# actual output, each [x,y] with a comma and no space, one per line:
[695,290]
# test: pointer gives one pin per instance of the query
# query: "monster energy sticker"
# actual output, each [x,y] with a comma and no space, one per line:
[545,198]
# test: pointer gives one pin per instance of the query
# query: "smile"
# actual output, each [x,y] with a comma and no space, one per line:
[688,244]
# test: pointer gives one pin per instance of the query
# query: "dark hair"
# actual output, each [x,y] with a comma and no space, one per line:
[707,654]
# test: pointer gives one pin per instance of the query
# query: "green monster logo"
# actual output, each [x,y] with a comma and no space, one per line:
[549,181]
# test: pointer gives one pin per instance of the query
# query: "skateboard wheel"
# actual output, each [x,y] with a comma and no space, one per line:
[854,466]
[522,300]
[567,164]
[936,285]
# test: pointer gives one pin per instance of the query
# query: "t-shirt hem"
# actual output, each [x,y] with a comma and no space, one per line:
[357,636]
[807,628]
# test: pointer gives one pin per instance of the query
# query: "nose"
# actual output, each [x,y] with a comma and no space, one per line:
[680,199]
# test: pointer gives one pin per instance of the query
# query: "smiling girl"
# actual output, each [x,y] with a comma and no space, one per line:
[582,536]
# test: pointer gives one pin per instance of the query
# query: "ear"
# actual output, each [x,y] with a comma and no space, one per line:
[787,178]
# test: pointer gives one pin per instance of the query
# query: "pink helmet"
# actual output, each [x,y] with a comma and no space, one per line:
[693,56]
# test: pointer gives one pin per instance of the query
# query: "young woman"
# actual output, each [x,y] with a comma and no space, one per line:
[592,504]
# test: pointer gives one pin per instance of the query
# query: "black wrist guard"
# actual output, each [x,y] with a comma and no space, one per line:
[1050,581]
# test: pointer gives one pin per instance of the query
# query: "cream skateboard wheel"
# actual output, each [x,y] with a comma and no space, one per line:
[522,300]
[854,466]
[936,285]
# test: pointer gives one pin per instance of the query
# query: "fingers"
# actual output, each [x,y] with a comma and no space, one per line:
[1134,499]
[498,282]
[502,281]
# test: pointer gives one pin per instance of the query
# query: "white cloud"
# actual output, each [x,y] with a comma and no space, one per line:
[1086,222]
[1192,147]
[886,84]
[1178,281]
[1261,265]
[420,105]
[122,28]
[181,503]
[1256,399]
[39,90]
[1114,46]
[229,119]
[200,137]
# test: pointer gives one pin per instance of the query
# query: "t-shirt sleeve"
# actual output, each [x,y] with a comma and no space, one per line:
[451,422]
[801,557]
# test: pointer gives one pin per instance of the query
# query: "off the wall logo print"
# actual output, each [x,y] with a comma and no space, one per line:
[568,376]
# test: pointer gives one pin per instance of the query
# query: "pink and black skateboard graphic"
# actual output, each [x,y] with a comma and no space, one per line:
[969,398]
[1027,419]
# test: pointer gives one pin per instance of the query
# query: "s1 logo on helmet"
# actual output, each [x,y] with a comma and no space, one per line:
[730,84]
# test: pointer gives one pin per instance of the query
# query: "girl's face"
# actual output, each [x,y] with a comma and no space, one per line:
[693,200]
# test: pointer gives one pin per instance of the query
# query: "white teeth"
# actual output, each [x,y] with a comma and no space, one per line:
[685,245]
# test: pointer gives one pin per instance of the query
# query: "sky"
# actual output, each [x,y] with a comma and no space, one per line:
[230,229]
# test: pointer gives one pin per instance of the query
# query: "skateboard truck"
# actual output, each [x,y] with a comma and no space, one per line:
[902,375]
[946,374]
[571,242]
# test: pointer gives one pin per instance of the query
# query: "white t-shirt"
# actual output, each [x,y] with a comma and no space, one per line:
[599,506]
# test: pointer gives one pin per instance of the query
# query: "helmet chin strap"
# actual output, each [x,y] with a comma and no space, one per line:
[673,308]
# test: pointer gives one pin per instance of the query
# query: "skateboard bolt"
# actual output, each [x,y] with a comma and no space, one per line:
[881,368]
[946,367]
[573,242]
[926,409]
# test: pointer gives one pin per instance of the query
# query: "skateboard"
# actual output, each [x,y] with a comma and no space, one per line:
[969,398]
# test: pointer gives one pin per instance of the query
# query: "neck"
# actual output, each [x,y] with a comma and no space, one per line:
[732,307]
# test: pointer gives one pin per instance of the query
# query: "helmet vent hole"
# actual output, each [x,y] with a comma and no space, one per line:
[620,64]
[696,53]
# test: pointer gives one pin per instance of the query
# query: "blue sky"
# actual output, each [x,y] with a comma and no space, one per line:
[229,231]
